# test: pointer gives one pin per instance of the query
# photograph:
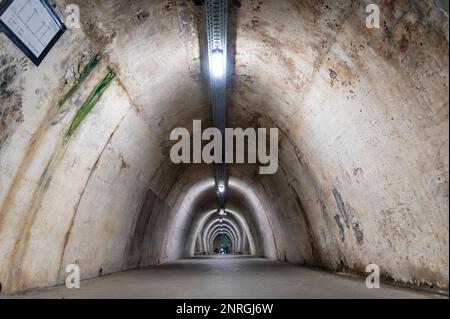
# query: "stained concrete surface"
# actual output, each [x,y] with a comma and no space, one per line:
[234,277]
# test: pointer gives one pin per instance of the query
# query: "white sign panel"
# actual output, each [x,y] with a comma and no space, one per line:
[30,21]
[32,25]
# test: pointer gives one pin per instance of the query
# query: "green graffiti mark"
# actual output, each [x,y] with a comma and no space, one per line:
[93,62]
[89,104]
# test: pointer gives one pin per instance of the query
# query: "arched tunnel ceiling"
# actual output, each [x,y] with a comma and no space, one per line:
[363,119]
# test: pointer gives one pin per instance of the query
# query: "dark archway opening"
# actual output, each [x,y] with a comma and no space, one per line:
[222,244]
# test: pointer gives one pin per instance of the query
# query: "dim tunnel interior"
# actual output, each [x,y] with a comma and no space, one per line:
[86,176]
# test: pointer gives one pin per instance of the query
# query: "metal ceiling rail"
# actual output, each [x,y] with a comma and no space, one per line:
[216,26]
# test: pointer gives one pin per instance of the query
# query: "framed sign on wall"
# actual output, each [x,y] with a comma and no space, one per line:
[32,25]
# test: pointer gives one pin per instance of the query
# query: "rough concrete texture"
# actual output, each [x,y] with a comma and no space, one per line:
[363,119]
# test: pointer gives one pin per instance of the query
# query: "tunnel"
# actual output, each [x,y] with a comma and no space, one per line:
[363,151]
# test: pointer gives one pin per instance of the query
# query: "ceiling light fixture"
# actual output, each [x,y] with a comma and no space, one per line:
[221,187]
[217,64]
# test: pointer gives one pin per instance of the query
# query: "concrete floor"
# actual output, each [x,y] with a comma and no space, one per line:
[226,277]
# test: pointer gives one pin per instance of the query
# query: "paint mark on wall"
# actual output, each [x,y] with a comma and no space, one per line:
[359,235]
[89,104]
[87,70]
[337,218]
[341,206]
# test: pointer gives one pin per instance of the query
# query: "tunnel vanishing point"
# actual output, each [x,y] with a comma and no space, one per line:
[363,143]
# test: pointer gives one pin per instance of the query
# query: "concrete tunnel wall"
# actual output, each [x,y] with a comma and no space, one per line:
[363,115]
